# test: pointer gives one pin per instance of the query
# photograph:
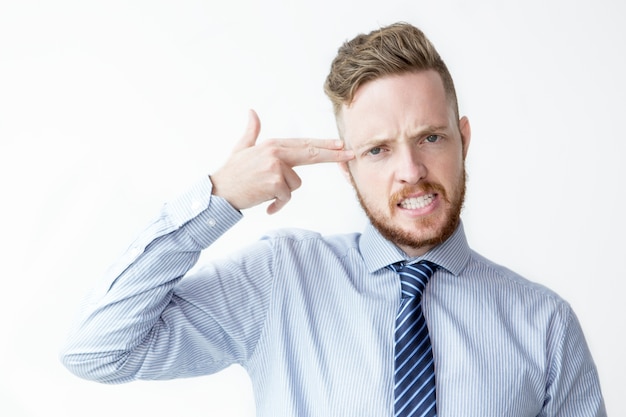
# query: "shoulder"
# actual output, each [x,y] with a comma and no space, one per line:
[500,298]
[509,284]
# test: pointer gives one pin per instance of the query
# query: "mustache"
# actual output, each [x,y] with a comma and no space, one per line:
[422,188]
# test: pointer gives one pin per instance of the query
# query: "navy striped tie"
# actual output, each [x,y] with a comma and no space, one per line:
[414,389]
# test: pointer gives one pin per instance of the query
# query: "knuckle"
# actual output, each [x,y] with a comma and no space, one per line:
[313,151]
[271,147]
[274,152]
[271,143]
[274,166]
[274,146]
[275,181]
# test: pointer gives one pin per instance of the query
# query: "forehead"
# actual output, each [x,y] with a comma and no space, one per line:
[392,105]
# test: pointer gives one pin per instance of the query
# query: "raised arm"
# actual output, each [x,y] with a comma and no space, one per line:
[152,319]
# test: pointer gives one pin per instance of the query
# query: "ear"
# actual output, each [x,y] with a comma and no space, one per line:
[466,134]
[345,169]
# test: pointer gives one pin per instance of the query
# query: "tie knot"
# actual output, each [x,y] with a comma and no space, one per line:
[414,277]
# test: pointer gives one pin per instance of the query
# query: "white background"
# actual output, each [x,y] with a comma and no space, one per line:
[110,108]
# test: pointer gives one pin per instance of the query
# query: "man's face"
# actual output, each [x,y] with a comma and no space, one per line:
[409,170]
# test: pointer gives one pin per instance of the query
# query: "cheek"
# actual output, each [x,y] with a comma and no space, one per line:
[370,184]
[367,177]
[451,168]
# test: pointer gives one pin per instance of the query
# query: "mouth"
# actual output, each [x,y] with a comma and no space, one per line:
[414,203]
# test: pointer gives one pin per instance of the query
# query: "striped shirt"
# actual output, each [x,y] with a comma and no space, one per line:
[312,318]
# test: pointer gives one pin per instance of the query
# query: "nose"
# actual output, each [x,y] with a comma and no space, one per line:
[410,168]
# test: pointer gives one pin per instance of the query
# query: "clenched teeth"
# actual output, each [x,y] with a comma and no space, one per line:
[417,202]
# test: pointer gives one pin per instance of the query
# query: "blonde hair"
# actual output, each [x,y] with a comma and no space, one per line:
[395,49]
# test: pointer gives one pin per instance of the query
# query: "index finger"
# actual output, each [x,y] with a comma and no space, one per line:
[307,151]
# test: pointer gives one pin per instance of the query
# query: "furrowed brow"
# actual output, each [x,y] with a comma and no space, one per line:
[372,143]
[432,129]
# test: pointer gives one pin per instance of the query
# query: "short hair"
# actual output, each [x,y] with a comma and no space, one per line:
[392,50]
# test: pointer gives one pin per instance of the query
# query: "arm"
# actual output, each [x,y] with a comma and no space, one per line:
[137,323]
[150,318]
[573,387]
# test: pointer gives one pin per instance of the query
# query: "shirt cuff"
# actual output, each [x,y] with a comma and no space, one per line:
[205,216]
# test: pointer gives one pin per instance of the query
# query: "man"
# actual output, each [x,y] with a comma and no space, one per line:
[317,321]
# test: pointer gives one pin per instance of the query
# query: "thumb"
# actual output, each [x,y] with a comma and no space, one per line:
[251,133]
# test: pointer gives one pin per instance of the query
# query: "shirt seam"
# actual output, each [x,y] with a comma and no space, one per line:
[526,286]
[553,363]
[253,354]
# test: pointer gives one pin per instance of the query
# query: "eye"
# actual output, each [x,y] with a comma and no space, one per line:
[432,138]
[375,151]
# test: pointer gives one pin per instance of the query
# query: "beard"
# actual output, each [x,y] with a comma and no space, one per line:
[428,231]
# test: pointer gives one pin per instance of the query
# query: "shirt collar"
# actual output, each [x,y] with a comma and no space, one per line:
[378,252]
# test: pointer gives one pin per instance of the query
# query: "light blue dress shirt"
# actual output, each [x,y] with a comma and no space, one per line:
[311,319]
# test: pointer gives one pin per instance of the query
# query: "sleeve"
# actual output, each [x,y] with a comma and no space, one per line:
[150,318]
[573,387]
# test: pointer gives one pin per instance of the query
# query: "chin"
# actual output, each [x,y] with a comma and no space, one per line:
[418,235]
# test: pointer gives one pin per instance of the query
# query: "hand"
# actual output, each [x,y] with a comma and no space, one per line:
[256,173]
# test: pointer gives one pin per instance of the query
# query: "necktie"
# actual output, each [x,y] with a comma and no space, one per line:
[414,389]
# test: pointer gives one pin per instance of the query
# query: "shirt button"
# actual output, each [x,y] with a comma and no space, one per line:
[135,251]
[211,222]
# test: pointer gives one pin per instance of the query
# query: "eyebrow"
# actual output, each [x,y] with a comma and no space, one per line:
[421,132]
[432,129]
